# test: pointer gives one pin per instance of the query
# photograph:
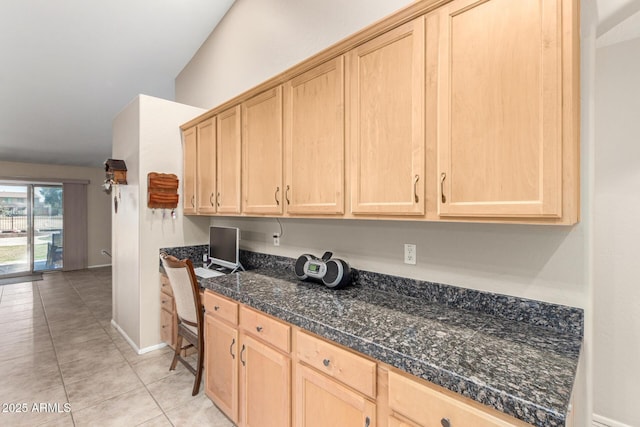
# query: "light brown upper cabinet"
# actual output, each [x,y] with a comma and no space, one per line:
[206,169]
[386,122]
[189,152]
[500,109]
[228,197]
[262,191]
[462,110]
[314,140]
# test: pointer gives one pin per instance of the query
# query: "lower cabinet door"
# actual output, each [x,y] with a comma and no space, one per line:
[265,377]
[321,402]
[221,362]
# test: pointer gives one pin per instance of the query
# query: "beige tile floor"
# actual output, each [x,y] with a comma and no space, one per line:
[63,364]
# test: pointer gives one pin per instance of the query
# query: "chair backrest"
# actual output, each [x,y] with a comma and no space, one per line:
[56,239]
[186,291]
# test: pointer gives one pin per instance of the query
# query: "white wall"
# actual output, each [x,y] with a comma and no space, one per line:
[617,234]
[146,136]
[124,224]
[98,217]
[161,151]
[259,39]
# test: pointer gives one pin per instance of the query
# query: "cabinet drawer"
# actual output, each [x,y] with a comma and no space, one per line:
[428,406]
[264,327]
[165,284]
[353,370]
[221,307]
[166,327]
[166,302]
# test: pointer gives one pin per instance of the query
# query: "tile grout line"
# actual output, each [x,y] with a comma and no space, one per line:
[132,369]
[55,351]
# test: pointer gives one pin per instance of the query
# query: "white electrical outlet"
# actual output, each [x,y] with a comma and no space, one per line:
[409,254]
[276,240]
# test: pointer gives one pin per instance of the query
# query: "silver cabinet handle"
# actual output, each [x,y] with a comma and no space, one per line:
[218,199]
[242,351]
[193,201]
[233,356]
[286,196]
[211,199]
[216,307]
[259,328]
[445,422]
[276,196]
[367,421]
[443,176]
[326,362]
[415,187]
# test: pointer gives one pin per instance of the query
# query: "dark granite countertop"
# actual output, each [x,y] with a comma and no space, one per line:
[517,368]
[515,355]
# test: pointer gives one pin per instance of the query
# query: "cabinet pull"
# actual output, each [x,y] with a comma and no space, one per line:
[216,307]
[443,176]
[193,201]
[275,196]
[445,422]
[233,356]
[218,199]
[415,188]
[286,196]
[259,328]
[211,199]
[242,351]
[367,421]
[326,362]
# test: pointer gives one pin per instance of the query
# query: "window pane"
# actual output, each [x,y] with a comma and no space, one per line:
[47,228]
[14,230]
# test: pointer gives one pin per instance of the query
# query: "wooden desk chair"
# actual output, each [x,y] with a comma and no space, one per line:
[188,308]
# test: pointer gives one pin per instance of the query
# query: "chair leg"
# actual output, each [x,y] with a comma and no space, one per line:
[196,385]
[174,362]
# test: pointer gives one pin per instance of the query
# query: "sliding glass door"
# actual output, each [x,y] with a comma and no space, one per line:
[15,248]
[30,228]
[47,227]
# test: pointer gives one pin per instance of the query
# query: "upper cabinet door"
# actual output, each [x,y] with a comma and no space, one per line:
[189,147]
[386,119]
[500,109]
[206,160]
[314,140]
[262,153]
[229,157]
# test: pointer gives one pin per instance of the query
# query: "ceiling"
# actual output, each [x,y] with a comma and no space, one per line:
[69,66]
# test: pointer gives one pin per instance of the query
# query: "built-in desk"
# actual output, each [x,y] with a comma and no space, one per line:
[514,355]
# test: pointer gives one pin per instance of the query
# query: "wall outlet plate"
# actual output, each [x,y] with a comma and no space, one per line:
[276,240]
[410,253]
[205,257]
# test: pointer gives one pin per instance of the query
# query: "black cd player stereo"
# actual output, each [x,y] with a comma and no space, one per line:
[333,272]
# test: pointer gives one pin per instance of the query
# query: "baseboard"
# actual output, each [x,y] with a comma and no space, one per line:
[99,265]
[152,348]
[600,421]
[133,345]
[125,336]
